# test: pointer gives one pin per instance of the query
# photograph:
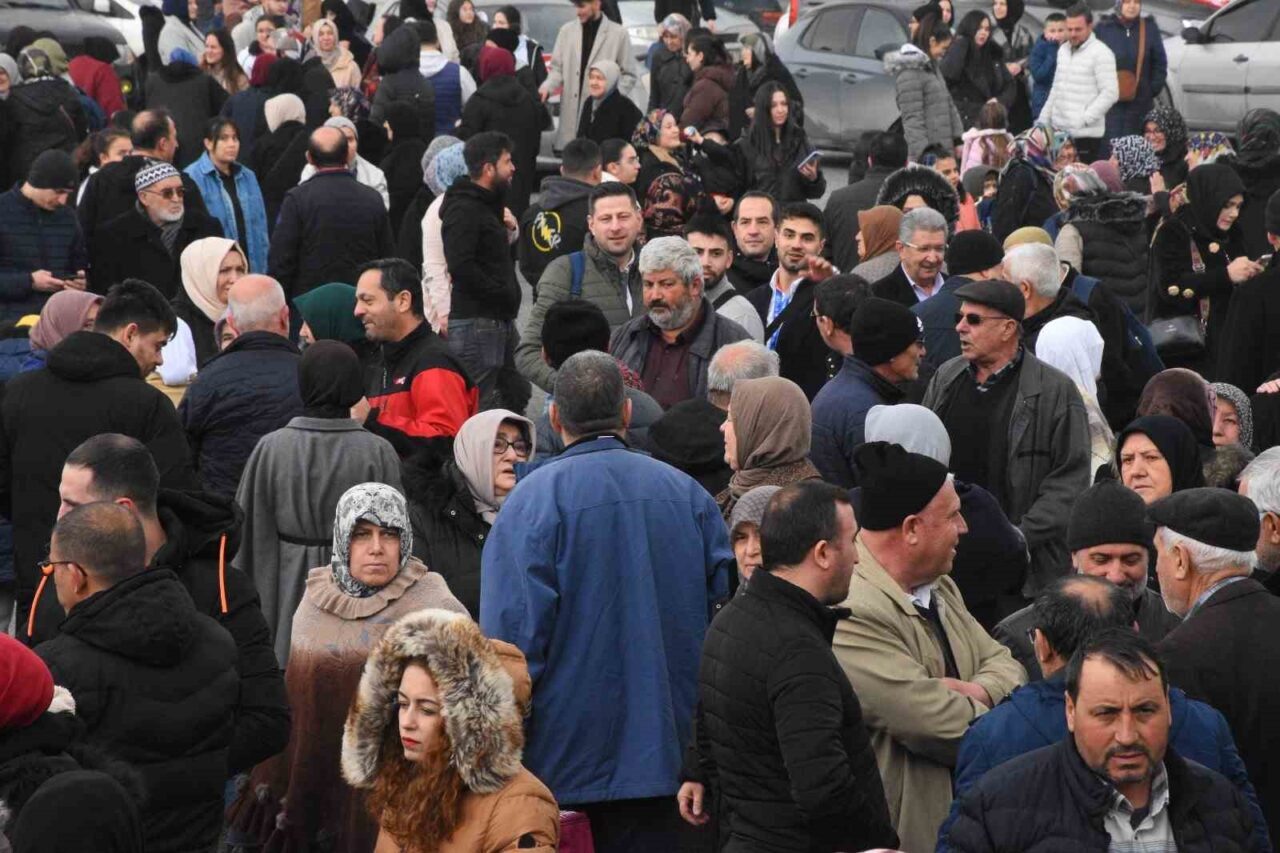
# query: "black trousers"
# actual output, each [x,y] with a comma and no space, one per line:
[642,826]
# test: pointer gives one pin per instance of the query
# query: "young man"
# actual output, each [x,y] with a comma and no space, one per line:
[557,224]
[711,238]
[1084,85]
[619,160]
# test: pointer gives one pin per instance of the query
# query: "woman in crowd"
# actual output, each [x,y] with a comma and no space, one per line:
[760,65]
[669,74]
[371,580]
[1026,185]
[468,29]
[774,147]
[231,192]
[294,478]
[281,155]
[744,530]
[1199,256]
[263,44]
[453,502]
[706,104]
[1258,164]
[402,164]
[42,110]
[92,73]
[766,437]
[337,59]
[328,314]
[1126,32]
[108,145]
[350,33]
[607,113]
[1015,40]
[219,62]
[401,80]
[974,69]
[178,30]
[1067,183]
[65,312]
[1208,146]
[444,772]
[447,168]
[1138,164]
[915,186]
[878,242]
[531,67]
[175,82]
[409,239]
[502,103]
[1185,395]
[1104,235]
[929,116]
[1157,455]
[668,189]
[209,267]
[1167,133]
[1074,346]
[1233,417]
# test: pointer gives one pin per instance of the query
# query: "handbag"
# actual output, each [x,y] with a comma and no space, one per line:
[1181,338]
[1128,80]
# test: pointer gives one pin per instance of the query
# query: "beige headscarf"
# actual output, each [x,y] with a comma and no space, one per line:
[200,262]
[283,108]
[328,57]
[473,454]
[773,425]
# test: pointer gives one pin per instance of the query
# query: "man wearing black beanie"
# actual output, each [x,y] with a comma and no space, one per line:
[1250,351]
[1109,537]
[971,256]
[886,353]
[922,666]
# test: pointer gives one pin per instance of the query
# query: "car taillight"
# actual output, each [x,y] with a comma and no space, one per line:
[793,12]
[771,16]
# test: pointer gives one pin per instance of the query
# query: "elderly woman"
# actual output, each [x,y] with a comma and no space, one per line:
[669,74]
[878,242]
[1157,455]
[607,113]
[1233,417]
[744,530]
[444,770]
[335,56]
[667,187]
[453,502]
[766,438]
[66,311]
[209,267]
[372,579]
[1074,346]
[1104,235]
[294,478]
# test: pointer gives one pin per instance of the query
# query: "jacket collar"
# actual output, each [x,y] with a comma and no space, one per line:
[872,572]
[258,341]
[1231,592]
[765,585]
[393,351]
[859,369]
[594,444]
[1097,794]
[205,166]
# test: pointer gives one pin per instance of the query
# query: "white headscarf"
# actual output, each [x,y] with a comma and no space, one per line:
[473,454]
[1073,346]
[914,428]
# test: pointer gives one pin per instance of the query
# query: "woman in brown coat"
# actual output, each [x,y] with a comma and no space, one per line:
[444,772]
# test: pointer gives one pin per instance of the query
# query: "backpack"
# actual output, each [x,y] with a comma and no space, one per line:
[1140,348]
[577,269]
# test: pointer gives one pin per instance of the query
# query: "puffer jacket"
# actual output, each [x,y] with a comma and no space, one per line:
[929,117]
[193,97]
[706,105]
[398,62]
[840,418]
[1084,88]
[1113,231]
[669,80]
[45,113]
[34,239]
[448,532]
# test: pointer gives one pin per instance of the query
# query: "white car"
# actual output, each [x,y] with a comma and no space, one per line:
[123,16]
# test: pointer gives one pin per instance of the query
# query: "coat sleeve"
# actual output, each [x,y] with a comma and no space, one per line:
[168,445]
[910,96]
[827,453]
[559,51]
[282,258]
[626,62]
[552,287]
[1172,251]
[968,832]
[262,718]
[1107,84]
[1069,475]
[1240,353]
[1231,765]
[998,673]
[953,62]
[1046,112]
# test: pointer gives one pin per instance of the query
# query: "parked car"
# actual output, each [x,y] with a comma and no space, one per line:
[70,23]
[121,15]
[637,17]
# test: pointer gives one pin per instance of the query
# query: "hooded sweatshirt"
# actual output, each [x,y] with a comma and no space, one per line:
[555,226]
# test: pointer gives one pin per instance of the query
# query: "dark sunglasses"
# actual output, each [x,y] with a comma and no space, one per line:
[169,193]
[976,319]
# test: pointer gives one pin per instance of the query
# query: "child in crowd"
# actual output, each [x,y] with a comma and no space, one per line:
[981,183]
[990,142]
[1044,59]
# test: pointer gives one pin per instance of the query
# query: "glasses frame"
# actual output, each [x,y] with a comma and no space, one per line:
[928,249]
[511,445]
[48,567]
[169,193]
[982,318]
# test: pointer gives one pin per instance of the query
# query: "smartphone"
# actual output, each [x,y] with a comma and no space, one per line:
[1264,261]
[812,158]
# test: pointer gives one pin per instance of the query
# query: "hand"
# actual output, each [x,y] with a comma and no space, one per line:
[46,282]
[360,411]
[976,692]
[1157,183]
[1272,387]
[695,137]
[710,24]
[543,94]
[1013,68]
[820,269]
[443,331]
[1240,270]
[509,220]
[810,170]
[690,799]
[751,113]
[76,283]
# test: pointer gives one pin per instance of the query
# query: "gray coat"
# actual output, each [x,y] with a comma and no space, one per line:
[1048,464]
[612,42]
[289,492]
[929,117]
[630,345]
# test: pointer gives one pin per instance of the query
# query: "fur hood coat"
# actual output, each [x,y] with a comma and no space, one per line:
[486,689]
[918,180]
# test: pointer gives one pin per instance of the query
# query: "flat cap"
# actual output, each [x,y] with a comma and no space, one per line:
[1217,517]
[994,293]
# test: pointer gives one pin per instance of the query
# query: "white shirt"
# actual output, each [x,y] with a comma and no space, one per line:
[921,293]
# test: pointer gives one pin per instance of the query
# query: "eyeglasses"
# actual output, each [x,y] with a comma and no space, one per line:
[976,319]
[169,193]
[928,250]
[48,567]
[520,446]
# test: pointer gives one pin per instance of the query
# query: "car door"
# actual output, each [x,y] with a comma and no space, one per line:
[867,94]
[1214,73]
[1264,68]
[824,54]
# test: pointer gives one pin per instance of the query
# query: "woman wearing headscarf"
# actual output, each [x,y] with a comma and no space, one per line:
[1140,63]
[1185,395]
[280,155]
[453,501]
[744,530]
[66,311]
[531,64]
[299,800]
[1233,416]
[1104,235]
[467,27]
[402,164]
[1258,164]
[669,190]
[1025,196]
[878,242]
[766,437]
[350,33]
[607,113]
[447,168]
[409,238]
[43,112]
[1138,164]
[328,314]
[669,74]
[1157,455]
[975,70]
[1199,258]
[1015,40]
[502,103]
[337,59]
[774,147]
[759,65]
[1167,133]
[1074,346]
[209,267]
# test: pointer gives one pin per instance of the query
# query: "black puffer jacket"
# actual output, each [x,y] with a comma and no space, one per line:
[193,97]
[398,63]
[669,80]
[780,731]
[246,391]
[278,160]
[503,104]
[1025,197]
[1048,800]
[1113,229]
[448,533]
[156,682]
[45,113]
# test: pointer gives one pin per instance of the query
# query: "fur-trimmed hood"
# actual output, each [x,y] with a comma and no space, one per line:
[1108,208]
[909,58]
[481,712]
[925,182]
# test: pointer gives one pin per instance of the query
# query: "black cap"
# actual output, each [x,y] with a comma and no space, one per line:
[894,483]
[1273,214]
[53,170]
[881,329]
[994,293]
[1216,517]
[1108,513]
[505,39]
[973,251]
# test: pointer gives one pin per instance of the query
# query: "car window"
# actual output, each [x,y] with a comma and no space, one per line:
[831,30]
[1246,22]
[878,28]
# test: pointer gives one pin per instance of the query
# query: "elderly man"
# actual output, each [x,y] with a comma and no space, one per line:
[1084,85]
[1260,483]
[971,256]
[1018,427]
[1035,270]
[1205,540]
[922,245]
[922,666]
[671,346]
[711,238]
[366,173]
[601,504]
[1118,713]
[1108,536]
[755,225]
[146,242]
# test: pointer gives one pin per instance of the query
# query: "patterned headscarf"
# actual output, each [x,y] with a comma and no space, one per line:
[649,129]
[1136,157]
[1209,147]
[1244,409]
[352,102]
[378,504]
[1075,178]
[1172,125]
[1039,146]
[447,167]
[675,23]
[1259,135]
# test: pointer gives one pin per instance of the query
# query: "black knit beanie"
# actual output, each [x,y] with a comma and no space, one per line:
[894,483]
[881,329]
[1105,514]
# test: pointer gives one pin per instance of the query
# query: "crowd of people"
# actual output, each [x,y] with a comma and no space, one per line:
[943,516]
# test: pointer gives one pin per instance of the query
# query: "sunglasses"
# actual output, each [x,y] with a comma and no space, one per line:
[48,567]
[169,193]
[976,319]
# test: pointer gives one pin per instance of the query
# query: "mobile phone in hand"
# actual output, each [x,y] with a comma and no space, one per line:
[813,157]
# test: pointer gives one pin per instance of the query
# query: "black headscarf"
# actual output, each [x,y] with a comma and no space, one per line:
[286,77]
[329,377]
[105,816]
[1014,13]
[1209,188]
[1259,135]
[1182,394]
[404,120]
[1176,444]
[343,19]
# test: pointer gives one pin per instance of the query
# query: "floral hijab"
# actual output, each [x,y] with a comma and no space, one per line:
[379,504]
[1174,128]
[1039,146]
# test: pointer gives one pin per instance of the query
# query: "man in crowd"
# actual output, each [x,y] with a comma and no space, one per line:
[755,225]
[922,245]
[366,173]
[589,38]
[41,248]
[422,392]
[92,383]
[1064,615]
[1018,427]
[605,273]
[671,346]
[1084,86]
[1117,710]
[1205,540]
[154,680]
[786,745]
[1251,353]
[452,83]
[147,240]
[888,154]
[835,302]
[1108,536]
[476,227]
[557,223]
[971,256]
[619,161]
[887,349]
[734,362]
[1035,270]
[922,666]
[1260,483]
[329,224]
[247,390]
[711,238]
[194,535]
[601,504]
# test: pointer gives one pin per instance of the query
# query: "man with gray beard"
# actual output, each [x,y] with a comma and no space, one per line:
[671,345]
[1260,483]
[1109,537]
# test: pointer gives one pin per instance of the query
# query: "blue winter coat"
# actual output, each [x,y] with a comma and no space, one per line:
[256,242]
[840,418]
[1034,715]
[1127,117]
[13,351]
[33,239]
[603,567]
[1043,64]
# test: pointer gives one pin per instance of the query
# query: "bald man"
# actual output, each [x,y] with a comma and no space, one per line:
[248,390]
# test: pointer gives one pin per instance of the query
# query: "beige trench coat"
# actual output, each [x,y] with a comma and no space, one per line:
[612,42]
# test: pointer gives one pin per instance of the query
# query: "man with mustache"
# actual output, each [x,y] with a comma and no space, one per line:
[1114,783]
